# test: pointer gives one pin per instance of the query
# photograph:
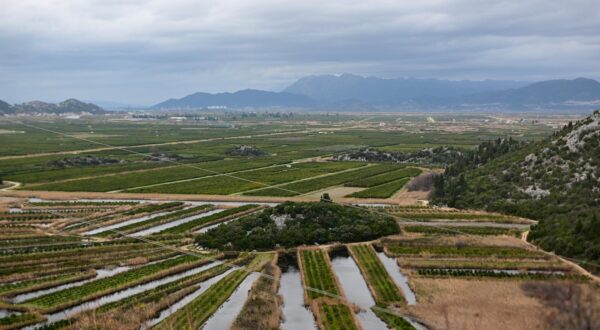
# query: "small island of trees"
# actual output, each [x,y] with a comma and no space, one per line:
[293,224]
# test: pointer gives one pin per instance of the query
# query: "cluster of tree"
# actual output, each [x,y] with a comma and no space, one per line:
[449,186]
[293,224]
[433,156]
[555,181]
[78,161]
[245,151]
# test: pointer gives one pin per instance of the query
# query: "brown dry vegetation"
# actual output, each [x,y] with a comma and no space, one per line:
[454,240]
[261,310]
[567,305]
[473,304]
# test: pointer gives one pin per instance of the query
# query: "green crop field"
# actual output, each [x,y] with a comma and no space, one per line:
[336,317]
[385,190]
[380,179]
[306,186]
[264,174]
[222,185]
[381,284]
[317,273]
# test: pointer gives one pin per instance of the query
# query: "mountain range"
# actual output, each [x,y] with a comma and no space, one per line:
[331,91]
[39,107]
[239,99]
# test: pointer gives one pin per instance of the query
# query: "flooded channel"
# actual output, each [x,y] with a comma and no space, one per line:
[164,226]
[356,288]
[69,312]
[226,314]
[296,315]
[187,299]
[100,273]
[207,228]
[7,313]
[124,223]
[401,280]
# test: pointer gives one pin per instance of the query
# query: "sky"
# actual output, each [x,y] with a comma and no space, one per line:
[143,52]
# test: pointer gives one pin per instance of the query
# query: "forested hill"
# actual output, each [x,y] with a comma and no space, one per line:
[555,181]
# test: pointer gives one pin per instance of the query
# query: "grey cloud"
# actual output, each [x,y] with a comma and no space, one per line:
[146,51]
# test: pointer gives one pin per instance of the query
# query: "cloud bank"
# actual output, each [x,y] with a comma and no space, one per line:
[146,51]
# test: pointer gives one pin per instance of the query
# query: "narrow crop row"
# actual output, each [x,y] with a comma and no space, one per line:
[194,314]
[158,220]
[151,208]
[209,220]
[465,251]
[317,273]
[483,231]
[336,317]
[393,321]
[382,286]
[440,272]
[111,284]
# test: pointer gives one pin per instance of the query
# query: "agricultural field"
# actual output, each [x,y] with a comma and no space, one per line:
[161,156]
[73,263]
[182,228]
[382,286]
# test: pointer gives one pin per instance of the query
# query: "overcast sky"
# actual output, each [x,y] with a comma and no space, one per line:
[143,52]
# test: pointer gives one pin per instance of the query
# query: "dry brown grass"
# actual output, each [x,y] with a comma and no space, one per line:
[473,304]
[261,309]
[470,240]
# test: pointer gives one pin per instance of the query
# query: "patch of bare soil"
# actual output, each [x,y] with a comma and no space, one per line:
[405,197]
[335,192]
[474,304]
[8,202]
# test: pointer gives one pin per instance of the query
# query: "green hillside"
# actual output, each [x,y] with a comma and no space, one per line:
[555,181]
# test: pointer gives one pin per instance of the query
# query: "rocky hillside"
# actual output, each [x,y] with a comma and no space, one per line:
[39,107]
[556,181]
[5,108]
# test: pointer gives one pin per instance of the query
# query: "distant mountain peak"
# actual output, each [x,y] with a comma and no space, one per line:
[337,89]
[67,106]
[247,98]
